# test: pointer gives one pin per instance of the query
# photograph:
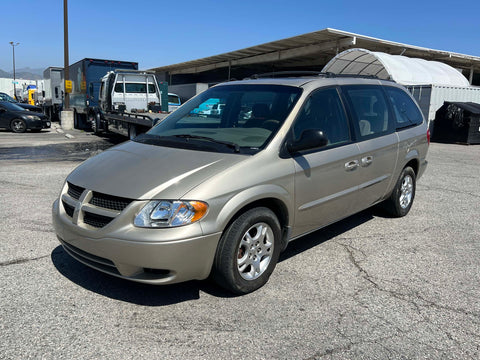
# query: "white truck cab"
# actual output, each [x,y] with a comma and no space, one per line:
[129,91]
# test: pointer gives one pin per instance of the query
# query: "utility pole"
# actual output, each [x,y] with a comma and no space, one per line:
[65,52]
[67,119]
[14,87]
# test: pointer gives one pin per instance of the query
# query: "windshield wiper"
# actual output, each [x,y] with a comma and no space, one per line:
[232,145]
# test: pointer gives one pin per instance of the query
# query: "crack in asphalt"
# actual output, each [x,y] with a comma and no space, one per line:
[397,294]
[429,188]
[9,183]
[22,260]
[418,302]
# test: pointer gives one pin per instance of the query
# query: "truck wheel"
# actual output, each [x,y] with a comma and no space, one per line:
[248,251]
[132,131]
[400,201]
[75,119]
[94,120]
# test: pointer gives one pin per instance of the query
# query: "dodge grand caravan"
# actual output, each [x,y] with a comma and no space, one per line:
[222,196]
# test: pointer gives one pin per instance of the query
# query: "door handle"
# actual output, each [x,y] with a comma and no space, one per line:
[367,160]
[351,165]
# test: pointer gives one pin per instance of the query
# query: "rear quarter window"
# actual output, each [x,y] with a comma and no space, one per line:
[405,110]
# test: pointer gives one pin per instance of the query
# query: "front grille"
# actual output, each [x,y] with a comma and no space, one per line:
[100,210]
[109,201]
[68,209]
[75,191]
[96,220]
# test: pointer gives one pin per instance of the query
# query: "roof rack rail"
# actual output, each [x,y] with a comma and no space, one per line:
[302,73]
[296,73]
[333,75]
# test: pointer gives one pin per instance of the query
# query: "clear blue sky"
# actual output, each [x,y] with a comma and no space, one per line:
[156,33]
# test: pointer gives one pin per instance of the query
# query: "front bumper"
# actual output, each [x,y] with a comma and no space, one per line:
[38,124]
[141,255]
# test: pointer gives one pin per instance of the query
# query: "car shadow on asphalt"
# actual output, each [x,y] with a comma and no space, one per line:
[318,237]
[151,295]
[129,291]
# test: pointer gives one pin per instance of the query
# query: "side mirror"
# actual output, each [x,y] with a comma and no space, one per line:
[310,139]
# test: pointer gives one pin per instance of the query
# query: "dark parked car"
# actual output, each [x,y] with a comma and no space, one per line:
[18,120]
[6,97]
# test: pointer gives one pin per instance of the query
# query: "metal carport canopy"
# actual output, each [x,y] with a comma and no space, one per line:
[401,69]
[316,49]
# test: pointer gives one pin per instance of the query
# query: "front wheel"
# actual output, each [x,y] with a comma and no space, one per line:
[400,201]
[248,251]
[18,126]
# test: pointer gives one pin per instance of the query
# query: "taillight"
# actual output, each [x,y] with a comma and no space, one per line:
[428,136]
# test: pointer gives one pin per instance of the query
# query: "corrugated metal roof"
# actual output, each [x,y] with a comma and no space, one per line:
[316,48]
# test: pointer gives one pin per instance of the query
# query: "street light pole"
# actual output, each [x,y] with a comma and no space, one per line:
[13,50]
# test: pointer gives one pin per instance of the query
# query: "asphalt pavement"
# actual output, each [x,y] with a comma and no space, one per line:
[368,287]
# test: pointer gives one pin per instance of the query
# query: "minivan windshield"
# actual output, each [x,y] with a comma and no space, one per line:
[227,118]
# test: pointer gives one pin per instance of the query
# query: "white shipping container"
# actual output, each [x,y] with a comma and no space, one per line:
[431,97]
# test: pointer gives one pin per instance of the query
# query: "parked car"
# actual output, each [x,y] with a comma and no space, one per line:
[199,195]
[174,102]
[6,97]
[18,120]
[214,110]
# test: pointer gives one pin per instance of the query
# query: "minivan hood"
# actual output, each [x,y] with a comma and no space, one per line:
[141,171]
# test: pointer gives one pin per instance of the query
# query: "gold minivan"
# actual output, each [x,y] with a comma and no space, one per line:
[223,194]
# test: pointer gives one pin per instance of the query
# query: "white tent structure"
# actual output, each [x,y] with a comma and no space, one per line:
[401,69]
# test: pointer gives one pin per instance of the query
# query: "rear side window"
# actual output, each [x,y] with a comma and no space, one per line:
[151,89]
[370,108]
[406,112]
[324,111]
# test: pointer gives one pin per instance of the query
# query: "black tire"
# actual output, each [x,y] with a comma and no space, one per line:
[233,267]
[94,120]
[76,119]
[132,131]
[400,201]
[18,126]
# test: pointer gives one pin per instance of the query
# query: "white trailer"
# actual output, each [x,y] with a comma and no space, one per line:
[53,91]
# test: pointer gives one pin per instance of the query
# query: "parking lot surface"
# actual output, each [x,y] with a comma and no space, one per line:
[367,287]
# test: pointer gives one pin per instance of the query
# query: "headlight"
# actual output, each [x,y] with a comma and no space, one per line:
[165,213]
[32,117]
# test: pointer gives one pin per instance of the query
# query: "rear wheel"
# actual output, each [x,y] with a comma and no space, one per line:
[248,251]
[18,126]
[94,120]
[400,201]
[132,131]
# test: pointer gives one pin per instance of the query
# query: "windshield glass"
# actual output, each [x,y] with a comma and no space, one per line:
[5,97]
[11,106]
[226,118]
